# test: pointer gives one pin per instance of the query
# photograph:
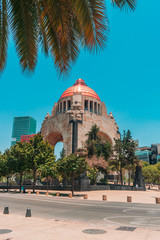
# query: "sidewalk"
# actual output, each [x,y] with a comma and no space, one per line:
[44,229]
[119,195]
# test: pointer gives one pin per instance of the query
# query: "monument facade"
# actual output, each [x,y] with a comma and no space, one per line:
[77,110]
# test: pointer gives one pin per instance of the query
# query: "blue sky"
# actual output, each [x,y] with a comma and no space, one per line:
[126,75]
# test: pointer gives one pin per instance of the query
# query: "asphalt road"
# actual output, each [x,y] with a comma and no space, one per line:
[96,212]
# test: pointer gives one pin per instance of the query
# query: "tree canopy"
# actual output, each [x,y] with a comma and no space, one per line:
[71,167]
[124,155]
[20,159]
[39,152]
[96,145]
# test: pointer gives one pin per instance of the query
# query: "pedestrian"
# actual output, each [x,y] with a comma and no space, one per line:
[22,189]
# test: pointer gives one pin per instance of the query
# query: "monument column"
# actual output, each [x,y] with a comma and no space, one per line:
[75,118]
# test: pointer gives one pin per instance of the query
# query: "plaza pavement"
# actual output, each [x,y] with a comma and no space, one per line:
[147,196]
[37,228]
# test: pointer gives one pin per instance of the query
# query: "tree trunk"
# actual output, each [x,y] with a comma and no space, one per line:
[20,183]
[73,179]
[121,175]
[47,184]
[129,177]
[117,178]
[106,177]
[34,180]
[7,183]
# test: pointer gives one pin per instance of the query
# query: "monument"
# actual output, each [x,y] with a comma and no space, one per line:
[77,110]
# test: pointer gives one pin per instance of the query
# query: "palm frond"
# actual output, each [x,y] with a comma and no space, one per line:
[3,33]
[100,22]
[23,17]
[93,22]
[42,33]
[61,36]
[127,4]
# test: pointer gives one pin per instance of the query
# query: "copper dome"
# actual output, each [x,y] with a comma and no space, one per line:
[80,87]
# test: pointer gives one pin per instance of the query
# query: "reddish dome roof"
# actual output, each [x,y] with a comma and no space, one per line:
[80,87]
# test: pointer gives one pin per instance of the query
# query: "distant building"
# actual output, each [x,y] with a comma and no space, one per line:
[148,154]
[22,126]
[154,153]
[26,138]
[158,148]
[143,153]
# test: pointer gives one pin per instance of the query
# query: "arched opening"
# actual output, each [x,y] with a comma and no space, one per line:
[56,140]
[58,149]
[105,137]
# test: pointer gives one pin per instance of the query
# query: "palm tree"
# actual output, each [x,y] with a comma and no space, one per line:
[61,27]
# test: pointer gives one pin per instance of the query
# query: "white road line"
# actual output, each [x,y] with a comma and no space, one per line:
[150,209]
[133,223]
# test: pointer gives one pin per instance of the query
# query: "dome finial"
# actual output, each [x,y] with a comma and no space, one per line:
[80,81]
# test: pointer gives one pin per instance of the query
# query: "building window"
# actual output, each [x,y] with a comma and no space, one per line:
[99,111]
[69,104]
[91,106]
[86,105]
[64,106]
[60,107]
[95,107]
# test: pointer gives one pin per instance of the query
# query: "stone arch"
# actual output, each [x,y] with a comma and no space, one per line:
[106,137]
[54,137]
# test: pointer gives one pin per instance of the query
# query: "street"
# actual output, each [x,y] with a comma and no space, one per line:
[86,211]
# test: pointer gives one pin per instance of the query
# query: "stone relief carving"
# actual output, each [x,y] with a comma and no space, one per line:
[76,112]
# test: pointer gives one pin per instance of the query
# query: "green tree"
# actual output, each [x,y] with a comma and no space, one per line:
[7,166]
[93,174]
[96,145]
[39,153]
[99,147]
[62,153]
[118,162]
[20,159]
[150,174]
[71,167]
[49,169]
[158,172]
[144,164]
[61,27]
[2,164]
[129,149]
[124,155]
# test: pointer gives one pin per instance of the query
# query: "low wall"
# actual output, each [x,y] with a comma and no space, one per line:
[96,187]
[115,187]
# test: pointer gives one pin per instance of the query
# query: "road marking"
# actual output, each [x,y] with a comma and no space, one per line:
[151,210]
[138,221]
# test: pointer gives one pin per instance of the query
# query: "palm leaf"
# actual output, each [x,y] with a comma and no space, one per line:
[61,36]
[100,22]
[3,33]
[131,4]
[25,31]
[83,14]
[93,22]
[42,33]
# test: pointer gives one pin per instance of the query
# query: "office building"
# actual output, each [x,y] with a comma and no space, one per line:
[22,126]
[143,153]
